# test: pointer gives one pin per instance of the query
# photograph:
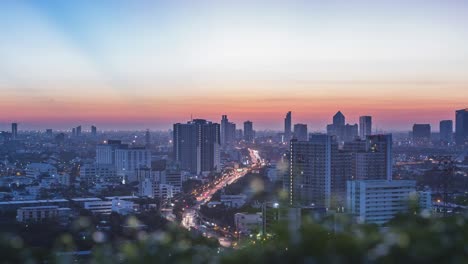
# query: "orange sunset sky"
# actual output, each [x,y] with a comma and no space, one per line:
[149,64]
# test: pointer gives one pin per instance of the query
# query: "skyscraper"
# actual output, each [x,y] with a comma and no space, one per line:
[343,132]
[93,131]
[224,124]
[339,119]
[14,130]
[78,131]
[421,133]
[365,126]
[248,131]
[300,132]
[196,145]
[446,131]
[147,138]
[461,126]
[310,171]
[228,131]
[287,127]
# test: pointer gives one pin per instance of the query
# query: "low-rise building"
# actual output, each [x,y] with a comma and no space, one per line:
[234,201]
[247,223]
[34,170]
[36,213]
[106,207]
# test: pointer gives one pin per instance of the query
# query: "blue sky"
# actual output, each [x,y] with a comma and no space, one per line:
[71,56]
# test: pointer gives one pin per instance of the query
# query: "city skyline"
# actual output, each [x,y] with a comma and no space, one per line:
[88,127]
[63,63]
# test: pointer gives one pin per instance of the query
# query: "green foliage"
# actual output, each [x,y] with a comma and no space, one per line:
[413,238]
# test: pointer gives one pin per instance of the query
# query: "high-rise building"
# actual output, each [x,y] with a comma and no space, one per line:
[300,132]
[339,119]
[446,131]
[224,124]
[351,132]
[461,126]
[78,131]
[421,133]
[105,153]
[228,131]
[93,131]
[239,134]
[129,159]
[380,148]
[365,126]
[378,201]
[248,131]
[74,132]
[310,171]
[196,145]
[14,130]
[287,127]
[343,132]
[147,138]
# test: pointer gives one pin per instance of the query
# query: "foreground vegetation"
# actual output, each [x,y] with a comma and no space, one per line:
[415,238]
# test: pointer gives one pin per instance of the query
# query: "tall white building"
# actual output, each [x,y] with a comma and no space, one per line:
[105,153]
[128,160]
[378,201]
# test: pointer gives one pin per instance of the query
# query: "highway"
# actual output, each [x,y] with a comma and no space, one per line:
[204,194]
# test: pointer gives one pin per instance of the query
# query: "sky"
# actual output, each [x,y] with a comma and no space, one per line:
[149,64]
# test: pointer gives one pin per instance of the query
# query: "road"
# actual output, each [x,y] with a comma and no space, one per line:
[204,194]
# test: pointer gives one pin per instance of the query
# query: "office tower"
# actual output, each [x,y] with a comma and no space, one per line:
[147,138]
[93,131]
[461,126]
[49,132]
[14,130]
[343,132]
[310,171]
[224,124]
[339,119]
[248,131]
[382,145]
[228,131]
[446,131]
[369,159]
[350,132]
[365,126]
[287,127]
[239,134]
[421,133]
[78,131]
[378,201]
[196,146]
[300,132]
[341,165]
[74,132]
